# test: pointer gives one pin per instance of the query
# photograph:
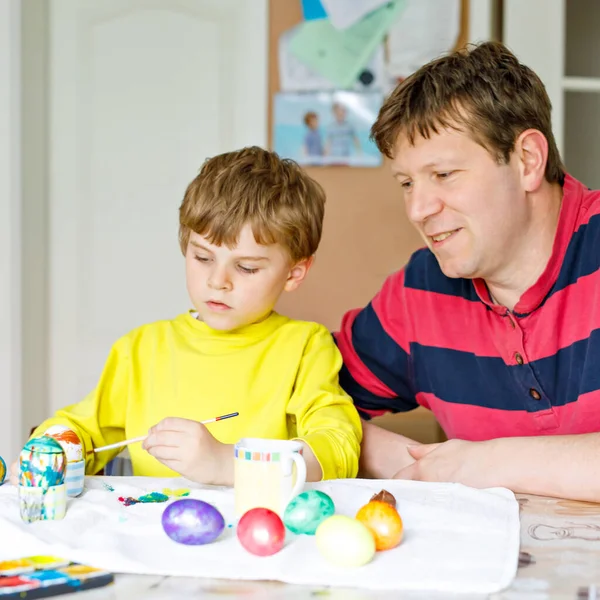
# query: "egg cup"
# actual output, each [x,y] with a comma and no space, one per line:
[42,504]
[75,478]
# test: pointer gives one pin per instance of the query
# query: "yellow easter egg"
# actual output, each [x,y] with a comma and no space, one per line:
[345,542]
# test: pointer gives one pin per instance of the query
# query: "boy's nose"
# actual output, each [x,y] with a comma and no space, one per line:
[219,280]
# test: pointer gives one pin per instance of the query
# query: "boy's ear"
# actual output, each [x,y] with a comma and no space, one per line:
[297,274]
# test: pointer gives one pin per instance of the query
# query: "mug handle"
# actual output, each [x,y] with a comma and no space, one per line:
[300,473]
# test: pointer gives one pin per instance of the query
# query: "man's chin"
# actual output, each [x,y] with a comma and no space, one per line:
[453,271]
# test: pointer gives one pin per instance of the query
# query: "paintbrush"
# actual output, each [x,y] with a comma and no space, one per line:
[142,438]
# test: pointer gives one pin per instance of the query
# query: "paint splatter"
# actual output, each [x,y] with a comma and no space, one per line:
[152,497]
[179,493]
[107,487]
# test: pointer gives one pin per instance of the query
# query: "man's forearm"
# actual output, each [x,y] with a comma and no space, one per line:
[382,453]
[560,466]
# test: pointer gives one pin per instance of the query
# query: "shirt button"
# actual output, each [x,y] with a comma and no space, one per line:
[535,394]
[518,358]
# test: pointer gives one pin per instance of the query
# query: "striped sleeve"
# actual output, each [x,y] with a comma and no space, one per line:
[374,345]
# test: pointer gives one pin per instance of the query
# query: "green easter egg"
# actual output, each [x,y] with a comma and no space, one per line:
[307,510]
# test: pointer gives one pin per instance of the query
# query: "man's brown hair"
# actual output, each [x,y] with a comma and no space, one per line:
[483,90]
[253,186]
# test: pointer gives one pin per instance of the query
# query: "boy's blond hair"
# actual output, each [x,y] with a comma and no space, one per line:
[484,90]
[281,203]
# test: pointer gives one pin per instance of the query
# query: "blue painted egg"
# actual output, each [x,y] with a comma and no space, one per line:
[192,522]
[43,463]
[307,511]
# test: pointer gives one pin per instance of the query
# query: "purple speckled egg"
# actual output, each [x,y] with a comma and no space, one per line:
[192,522]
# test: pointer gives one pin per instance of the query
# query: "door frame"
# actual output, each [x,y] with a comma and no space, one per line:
[10,229]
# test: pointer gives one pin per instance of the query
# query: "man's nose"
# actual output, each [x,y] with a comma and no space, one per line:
[423,202]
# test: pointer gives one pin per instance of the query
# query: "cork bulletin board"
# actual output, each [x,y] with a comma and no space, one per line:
[366,234]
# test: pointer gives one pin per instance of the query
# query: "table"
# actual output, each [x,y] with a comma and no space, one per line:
[560,558]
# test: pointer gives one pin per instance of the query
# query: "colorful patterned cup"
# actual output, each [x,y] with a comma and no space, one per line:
[267,474]
[40,504]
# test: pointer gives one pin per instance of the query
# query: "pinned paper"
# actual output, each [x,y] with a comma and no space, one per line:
[295,76]
[340,56]
[313,9]
[425,30]
[344,14]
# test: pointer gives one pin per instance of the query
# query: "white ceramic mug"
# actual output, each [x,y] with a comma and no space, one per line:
[267,474]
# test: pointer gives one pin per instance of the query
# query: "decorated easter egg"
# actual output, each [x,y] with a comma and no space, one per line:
[192,522]
[307,510]
[43,463]
[2,470]
[384,522]
[68,440]
[261,532]
[345,542]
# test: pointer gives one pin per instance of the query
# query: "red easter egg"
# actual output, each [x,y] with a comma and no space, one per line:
[261,532]
[384,522]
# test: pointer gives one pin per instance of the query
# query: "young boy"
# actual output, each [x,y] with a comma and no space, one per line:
[313,144]
[250,224]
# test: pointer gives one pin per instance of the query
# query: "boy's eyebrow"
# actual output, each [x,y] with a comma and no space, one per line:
[198,245]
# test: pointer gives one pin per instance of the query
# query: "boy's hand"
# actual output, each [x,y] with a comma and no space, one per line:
[14,473]
[188,448]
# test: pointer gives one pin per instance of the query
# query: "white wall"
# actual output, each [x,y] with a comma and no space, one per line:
[10,226]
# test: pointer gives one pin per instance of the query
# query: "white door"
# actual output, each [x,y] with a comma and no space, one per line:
[141,93]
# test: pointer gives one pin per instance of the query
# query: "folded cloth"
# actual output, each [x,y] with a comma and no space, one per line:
[456,539]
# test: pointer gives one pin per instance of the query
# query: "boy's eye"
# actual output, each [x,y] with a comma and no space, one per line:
[445,174]
[202,259]
[248,270]
[406,185]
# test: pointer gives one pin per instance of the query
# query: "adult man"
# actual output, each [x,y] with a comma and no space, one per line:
[495,325]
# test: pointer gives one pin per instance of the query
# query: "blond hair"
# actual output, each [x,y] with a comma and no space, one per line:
[281,203]
[483,89]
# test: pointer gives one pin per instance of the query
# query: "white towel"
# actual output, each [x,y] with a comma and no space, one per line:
[456,539]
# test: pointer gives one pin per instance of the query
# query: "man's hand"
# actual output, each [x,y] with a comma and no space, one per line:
[455,461]
[188,448]
[14,473]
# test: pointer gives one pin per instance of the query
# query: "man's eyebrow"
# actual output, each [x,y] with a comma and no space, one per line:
[430,165]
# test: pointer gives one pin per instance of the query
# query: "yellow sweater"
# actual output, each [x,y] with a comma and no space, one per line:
[281,375]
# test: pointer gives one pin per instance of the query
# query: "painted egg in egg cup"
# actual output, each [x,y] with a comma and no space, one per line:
[42,489]
[73,449]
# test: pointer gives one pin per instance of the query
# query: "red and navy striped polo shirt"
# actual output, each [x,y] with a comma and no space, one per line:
[429,340]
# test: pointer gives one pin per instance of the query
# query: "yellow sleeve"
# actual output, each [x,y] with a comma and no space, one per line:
[99,419]
[325,416]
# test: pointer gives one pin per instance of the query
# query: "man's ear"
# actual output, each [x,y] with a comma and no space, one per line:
[532,150]
[297,273]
